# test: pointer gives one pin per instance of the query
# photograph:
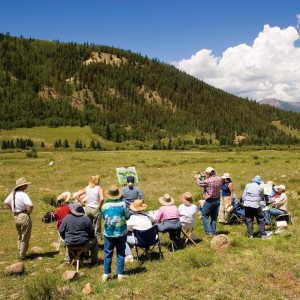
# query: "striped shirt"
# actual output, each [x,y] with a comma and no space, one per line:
[212,187]
[115,213]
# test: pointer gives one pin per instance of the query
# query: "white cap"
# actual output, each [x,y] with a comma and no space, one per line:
[209,170]
[281,187]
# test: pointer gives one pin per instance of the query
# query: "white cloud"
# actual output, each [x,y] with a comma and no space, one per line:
[270,68]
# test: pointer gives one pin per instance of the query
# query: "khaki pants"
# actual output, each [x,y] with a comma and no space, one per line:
[223,216]
[95,215]
[23,224]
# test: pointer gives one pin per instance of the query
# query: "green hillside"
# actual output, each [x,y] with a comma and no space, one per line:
[123,96]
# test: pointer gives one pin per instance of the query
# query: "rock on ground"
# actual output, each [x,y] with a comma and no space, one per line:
[220,242]
[15,269]
[37,250]
[87,289]
[70,275]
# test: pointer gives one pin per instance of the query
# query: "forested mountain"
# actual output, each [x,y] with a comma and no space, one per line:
[124,96]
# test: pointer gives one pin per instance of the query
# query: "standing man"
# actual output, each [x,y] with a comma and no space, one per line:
[252,197]
[20,204]
[212,186]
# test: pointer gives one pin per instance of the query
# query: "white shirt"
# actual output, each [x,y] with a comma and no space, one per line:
[187,215]
[92,196]
[22,201]
[139,221]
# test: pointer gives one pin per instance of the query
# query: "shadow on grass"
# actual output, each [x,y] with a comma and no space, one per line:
[33,256]
[137,270]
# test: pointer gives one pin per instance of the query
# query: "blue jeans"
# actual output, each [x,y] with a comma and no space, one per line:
[210,209]
[129,242]
[109,244]
[272,212]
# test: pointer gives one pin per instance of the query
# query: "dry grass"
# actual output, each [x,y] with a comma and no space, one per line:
[252,269]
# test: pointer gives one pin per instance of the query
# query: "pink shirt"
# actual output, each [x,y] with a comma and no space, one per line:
[167,212]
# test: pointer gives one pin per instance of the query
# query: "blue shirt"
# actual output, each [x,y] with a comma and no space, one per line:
[131,193]
[252,195]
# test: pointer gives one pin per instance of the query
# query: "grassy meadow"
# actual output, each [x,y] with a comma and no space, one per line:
[249,269]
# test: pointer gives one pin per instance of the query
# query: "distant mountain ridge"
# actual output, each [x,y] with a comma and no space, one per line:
[292,106]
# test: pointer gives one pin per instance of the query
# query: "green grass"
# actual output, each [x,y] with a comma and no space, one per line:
[252,269]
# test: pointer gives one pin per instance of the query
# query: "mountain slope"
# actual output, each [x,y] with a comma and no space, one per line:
[123,96]
[292,106]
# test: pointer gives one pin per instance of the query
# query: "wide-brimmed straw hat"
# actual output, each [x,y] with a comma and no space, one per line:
[76,209]
[20,182]
[137,205]
[166,199]
[65,196]
[226,176]
[113,193]
[187,198]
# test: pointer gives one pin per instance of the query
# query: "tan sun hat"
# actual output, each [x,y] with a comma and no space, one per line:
[187,198]
[137,205]
[113,193]
[281,186]
[20,182]
[166,199]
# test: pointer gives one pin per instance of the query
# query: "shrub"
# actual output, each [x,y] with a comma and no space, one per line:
[32,153]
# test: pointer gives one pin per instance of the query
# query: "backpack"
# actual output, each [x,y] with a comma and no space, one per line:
[48,217]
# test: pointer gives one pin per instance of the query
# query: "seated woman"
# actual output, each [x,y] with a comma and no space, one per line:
[187,211]
[278,204]
[62,208]
[139,220]
[168,217]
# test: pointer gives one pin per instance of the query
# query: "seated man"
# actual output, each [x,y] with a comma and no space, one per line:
[77,229]
[131,192]
[187,211]
[139,220]
[279,204]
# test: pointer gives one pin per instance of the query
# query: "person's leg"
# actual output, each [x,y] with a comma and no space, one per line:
[274,212]
[130,242]
[25,235]
[260,221]
[267,217]
[109,244]
[206,210]
[96,214]
[214,216]
[120,245]
[249,221]
[221,216]
[227,203]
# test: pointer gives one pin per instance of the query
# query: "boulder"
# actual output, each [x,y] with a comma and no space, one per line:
[37,250]
[70,275]
[87,289]
[220,242]
[15,269]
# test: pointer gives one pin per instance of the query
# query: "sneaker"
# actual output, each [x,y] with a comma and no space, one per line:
[129,258]
[105,277]
[121,277]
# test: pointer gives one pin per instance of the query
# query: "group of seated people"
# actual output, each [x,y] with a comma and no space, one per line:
[124,210]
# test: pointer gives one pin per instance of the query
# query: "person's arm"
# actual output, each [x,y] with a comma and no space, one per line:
[80,193]
[62,228]
[30,209]
[280,201]
[6,206]
[141,194]
[101,197]
[230,186]
[199,182]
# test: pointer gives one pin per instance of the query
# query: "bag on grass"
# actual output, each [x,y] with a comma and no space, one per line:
[48,217]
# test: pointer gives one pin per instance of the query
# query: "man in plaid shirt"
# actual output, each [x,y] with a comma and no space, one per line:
[212,186]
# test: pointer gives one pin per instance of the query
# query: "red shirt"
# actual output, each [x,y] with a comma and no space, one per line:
[60,213]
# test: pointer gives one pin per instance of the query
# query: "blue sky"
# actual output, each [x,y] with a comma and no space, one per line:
[170,30]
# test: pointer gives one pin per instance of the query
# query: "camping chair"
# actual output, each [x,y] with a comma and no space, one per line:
[75,252]
[237,215]
[147,240]
[187,235]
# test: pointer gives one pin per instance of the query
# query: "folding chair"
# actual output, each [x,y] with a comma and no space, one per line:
[58,242]
[187,233]
[75,252]
[174,236]
[147,240]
